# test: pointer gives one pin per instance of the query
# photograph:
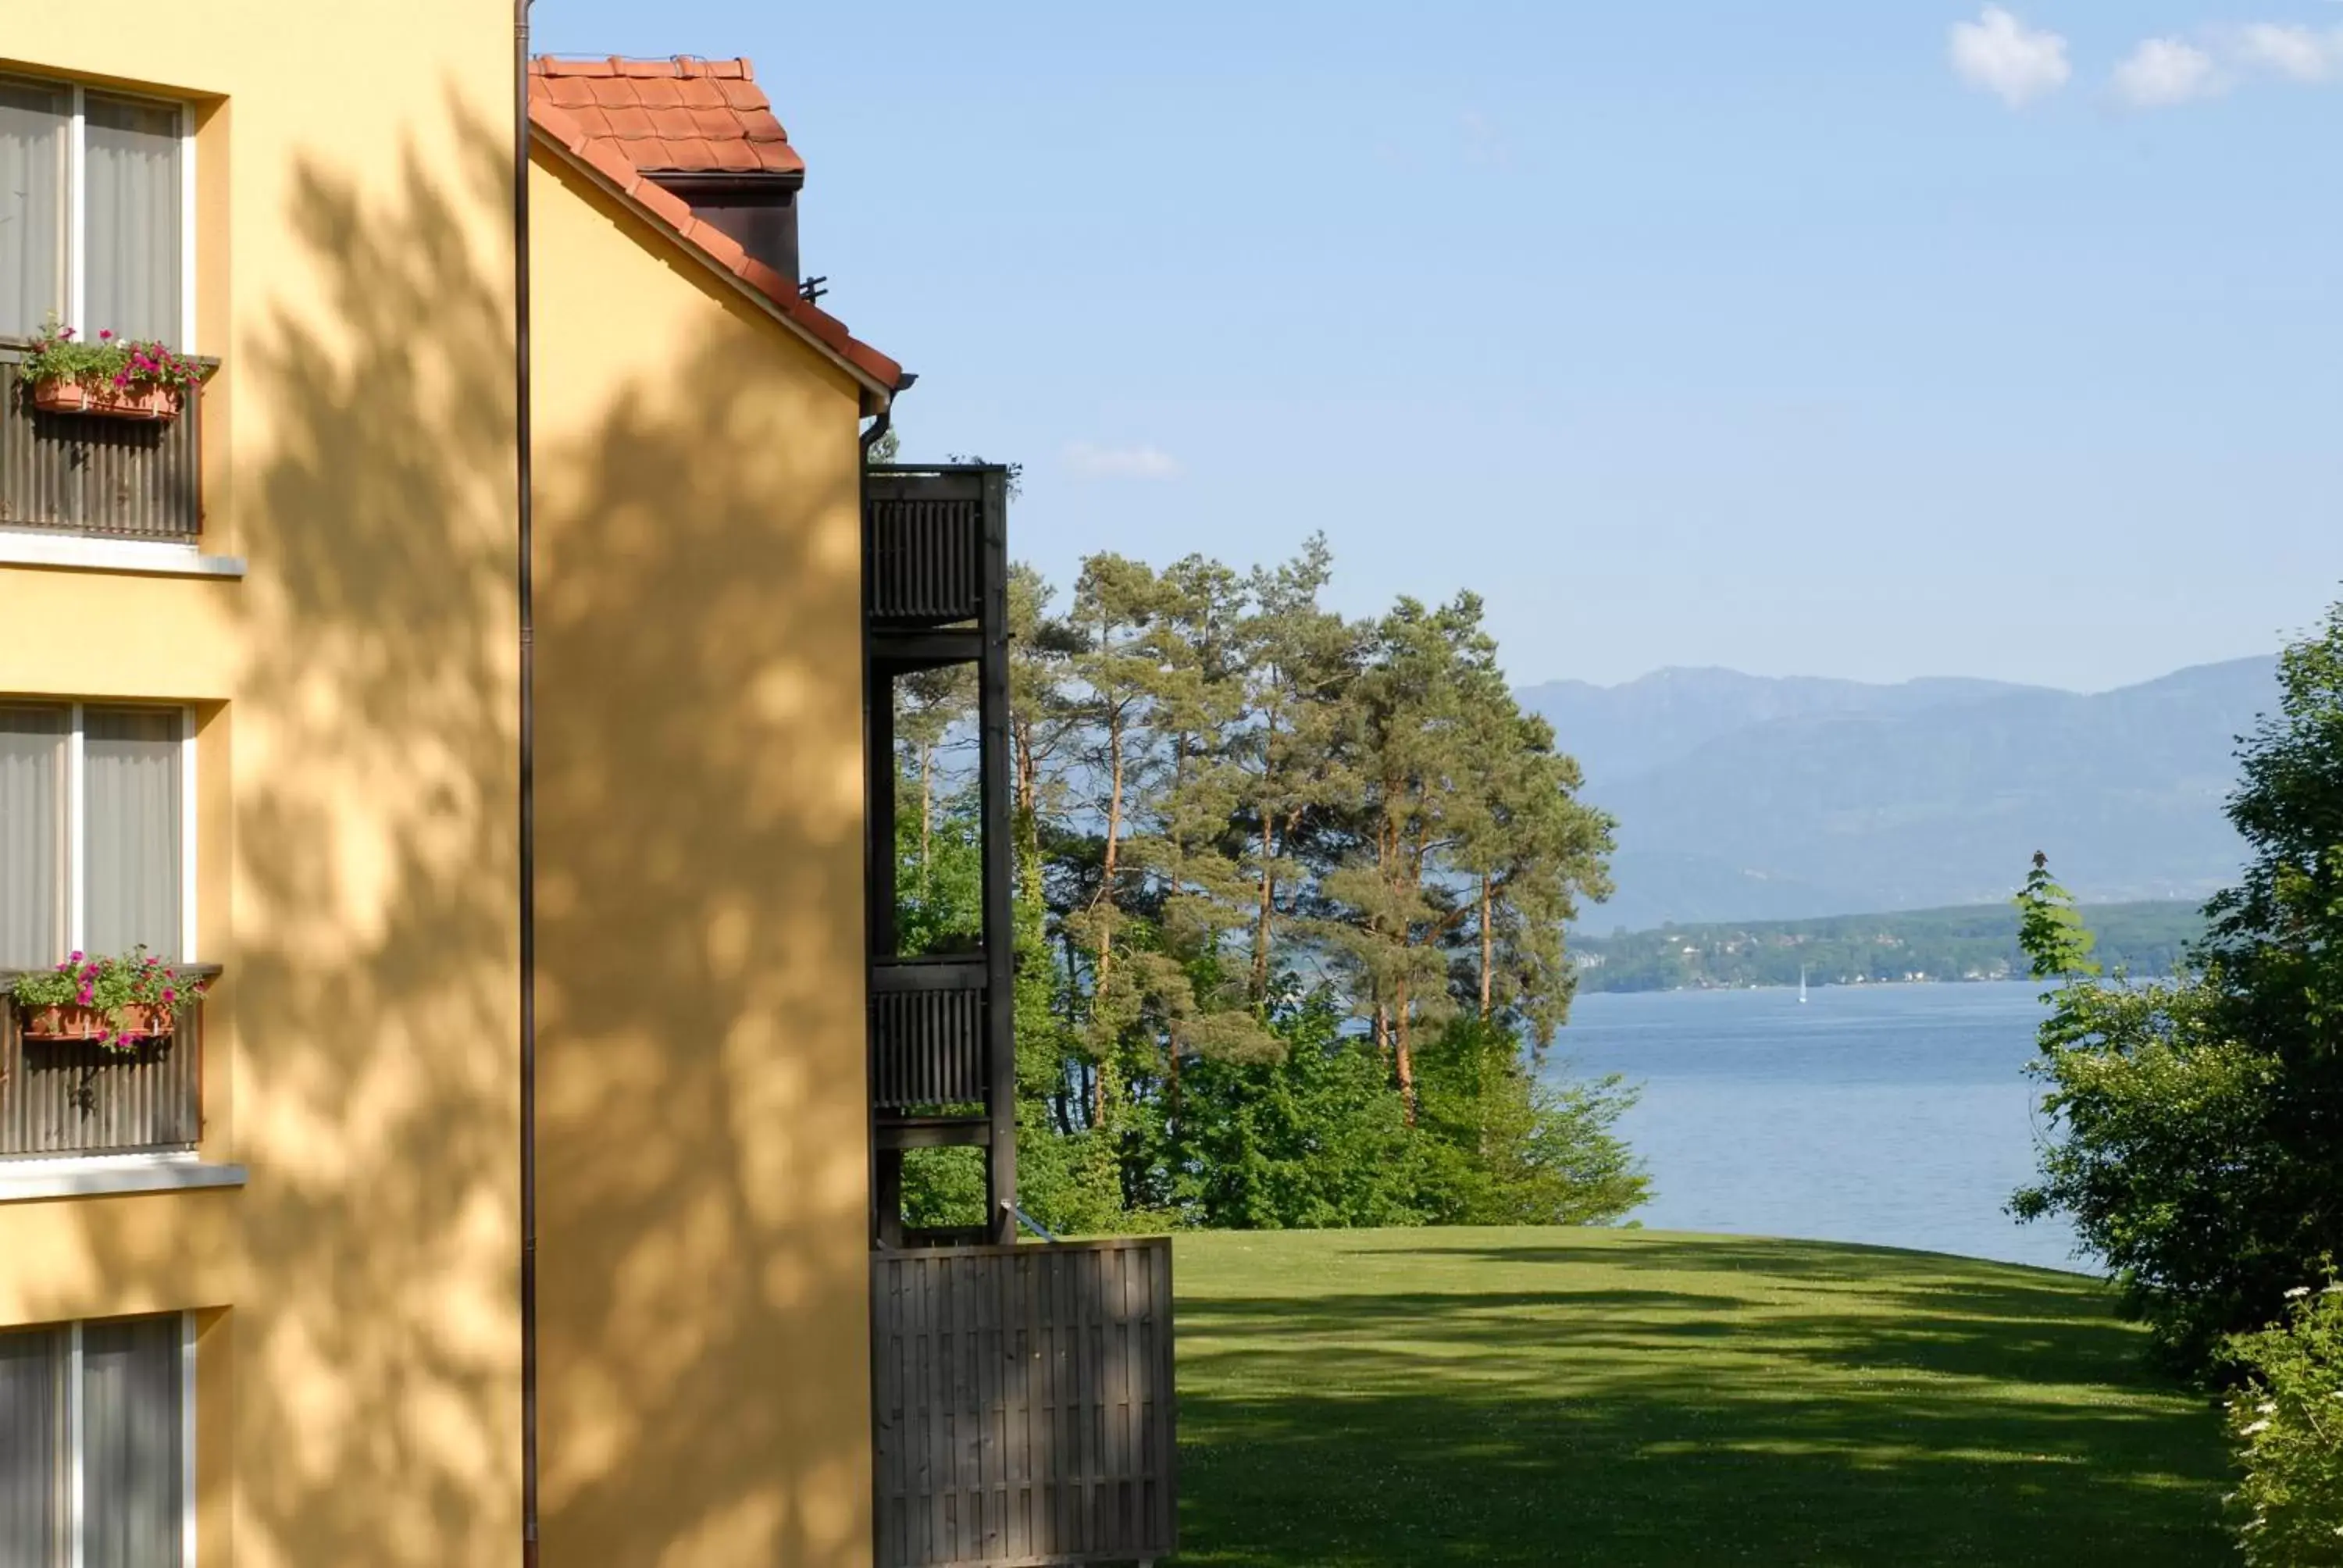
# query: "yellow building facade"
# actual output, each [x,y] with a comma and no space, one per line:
[259,1296]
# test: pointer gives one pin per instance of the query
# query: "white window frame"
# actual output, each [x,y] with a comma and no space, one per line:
[77,205]
[77,826]
[76,1481]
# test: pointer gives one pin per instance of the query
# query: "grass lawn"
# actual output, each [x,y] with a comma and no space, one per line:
[1625,1397]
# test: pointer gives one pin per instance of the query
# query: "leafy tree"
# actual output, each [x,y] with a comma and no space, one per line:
[2050,932]
[1220,787]
[2287,1421]
[1509,1149]
[2200,1146]
[1311,1139]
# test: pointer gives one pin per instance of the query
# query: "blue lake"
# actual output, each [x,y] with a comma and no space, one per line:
[1898,1115]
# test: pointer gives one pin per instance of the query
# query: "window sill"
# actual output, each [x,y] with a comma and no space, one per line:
[105,1175]
[152,558]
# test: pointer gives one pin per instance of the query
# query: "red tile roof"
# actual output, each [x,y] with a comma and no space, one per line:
[671,116]
[611,155]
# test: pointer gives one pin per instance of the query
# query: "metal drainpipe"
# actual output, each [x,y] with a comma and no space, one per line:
[525,584]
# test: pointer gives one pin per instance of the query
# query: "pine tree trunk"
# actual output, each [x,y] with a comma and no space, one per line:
[1261,920]
[927,814]
[1113,843]
[1488,947]
[1406,1060]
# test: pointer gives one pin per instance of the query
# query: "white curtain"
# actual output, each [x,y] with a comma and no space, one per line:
[32,206]
[130,876]
[32,836]
[131,222]
[32,1448]
[131,1512]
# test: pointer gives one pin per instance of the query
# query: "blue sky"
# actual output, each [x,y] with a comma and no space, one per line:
[1816,338]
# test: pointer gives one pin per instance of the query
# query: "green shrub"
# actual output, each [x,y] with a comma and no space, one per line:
[2288,1422]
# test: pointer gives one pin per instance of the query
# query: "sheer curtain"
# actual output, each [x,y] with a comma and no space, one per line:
[130,826]
[32,206]
[32,836]
[130,1444]
[32,1448]
[131,222]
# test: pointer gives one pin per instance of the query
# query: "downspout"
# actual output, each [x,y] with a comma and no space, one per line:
[524,582]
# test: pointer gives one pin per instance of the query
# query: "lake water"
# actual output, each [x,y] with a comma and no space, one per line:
[1898,1115]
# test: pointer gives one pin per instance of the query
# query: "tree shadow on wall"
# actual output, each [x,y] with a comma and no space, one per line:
[372,982]
[703,1118]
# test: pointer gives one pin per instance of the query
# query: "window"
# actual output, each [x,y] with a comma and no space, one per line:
[97,1444]
[94,850]
[93,202]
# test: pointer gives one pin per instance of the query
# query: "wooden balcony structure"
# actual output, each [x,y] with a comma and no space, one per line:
[944,1053]
[1022,1404]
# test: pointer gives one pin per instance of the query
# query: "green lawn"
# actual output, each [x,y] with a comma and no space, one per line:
[1625,1397]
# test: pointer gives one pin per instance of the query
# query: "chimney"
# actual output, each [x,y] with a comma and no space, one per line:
[760,210]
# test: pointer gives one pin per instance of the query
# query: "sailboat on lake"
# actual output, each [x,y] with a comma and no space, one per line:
[1802,985]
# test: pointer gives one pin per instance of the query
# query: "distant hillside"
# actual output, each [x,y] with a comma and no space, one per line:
[1616,731]
[1789,799]
[1959,944]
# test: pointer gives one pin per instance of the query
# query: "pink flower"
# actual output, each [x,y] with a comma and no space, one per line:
[68,332]
[74,957]
[104,334]
[85,998]
[169,995]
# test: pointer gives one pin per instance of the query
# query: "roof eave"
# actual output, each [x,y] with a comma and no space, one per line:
[879,389]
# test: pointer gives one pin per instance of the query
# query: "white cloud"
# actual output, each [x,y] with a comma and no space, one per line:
[2296,52]
[1999,53]
[2162,72]
[1140,462]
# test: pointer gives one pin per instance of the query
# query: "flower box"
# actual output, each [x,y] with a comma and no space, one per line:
[113,1001]
[132,1022]
[141,400]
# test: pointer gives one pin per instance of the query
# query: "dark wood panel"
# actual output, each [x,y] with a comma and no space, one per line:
[1023,1405]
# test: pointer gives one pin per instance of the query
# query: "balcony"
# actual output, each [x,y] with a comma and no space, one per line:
[60,1098]
[1023,1410]
[942,1050]
[109,479]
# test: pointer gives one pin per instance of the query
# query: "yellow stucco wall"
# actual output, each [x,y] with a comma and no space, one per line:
[702,1212]
[360,1394]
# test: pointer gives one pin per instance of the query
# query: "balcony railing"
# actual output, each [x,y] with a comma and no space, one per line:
[61,1097]
[924,547]
[79,474]
[927,1033]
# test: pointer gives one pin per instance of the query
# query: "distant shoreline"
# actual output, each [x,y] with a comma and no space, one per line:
[1966,945]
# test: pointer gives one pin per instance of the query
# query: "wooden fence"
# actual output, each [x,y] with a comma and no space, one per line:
[1024,1404]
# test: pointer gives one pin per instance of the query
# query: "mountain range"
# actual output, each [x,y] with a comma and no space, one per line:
[1743,797]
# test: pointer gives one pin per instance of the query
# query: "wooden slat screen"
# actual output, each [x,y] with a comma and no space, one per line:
[927,1033]
[75,1097]
[923,549]
[121,478]
[1023,1402]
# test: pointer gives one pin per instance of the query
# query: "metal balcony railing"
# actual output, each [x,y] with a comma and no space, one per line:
[76,1096]
[83,473]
